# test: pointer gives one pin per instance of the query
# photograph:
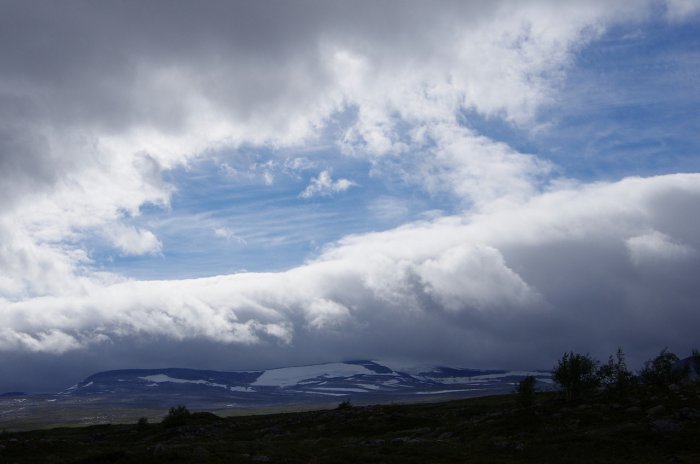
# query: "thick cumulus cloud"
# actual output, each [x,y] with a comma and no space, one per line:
[98,101]
[588,268]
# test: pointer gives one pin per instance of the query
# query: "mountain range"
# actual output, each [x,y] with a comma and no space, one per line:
[363,381]
[125,395]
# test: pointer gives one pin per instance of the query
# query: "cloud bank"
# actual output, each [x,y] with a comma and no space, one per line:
[588,268]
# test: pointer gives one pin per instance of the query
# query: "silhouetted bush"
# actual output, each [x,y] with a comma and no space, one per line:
[615,376]
[142,422]
[662,371]
[577,375]
[525,391]
[176,416]
[345,405]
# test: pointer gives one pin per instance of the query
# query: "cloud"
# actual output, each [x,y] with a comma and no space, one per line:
[223,232]
[655,247]
[387,208]
[87,135]
[133,240]
[680,10]
[470,167]
[50,341]
[569,264]
[324,185]
[99,103]
[228,234]
[300,163]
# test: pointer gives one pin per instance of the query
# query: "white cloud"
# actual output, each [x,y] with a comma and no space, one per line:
[228,234]
[50,341]
[223,232]
[387,208]
[324,314]
[475,276]
[679,10]
[473,168]
[133,240]
[300,163]
[324,185]
[655,247]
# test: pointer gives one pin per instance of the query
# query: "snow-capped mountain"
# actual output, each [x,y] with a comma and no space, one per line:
[363,381]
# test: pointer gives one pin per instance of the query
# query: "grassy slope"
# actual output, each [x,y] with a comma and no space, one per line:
[490,429]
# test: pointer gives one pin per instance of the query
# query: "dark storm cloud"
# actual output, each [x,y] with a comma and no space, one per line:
[82,69]
[83,60]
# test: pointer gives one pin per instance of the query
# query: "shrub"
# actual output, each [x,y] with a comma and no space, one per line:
[577,375]
[662,371]
[526,391]
[142,422]
[615,376]
[176,416]
[345,405]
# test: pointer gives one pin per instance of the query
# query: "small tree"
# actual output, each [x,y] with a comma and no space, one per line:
[662,371]
[526,391]
[176,416]
[615,375]
[577,375]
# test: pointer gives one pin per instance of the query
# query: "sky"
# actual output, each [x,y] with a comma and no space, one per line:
[245,185]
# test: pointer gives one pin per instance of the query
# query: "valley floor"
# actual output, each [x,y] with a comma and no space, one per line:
[655,428]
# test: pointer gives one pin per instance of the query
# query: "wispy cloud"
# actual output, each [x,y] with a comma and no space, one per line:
[682,10]
[228,234]
[324,186]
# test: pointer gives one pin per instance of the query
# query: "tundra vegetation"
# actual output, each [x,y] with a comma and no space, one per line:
[601,413]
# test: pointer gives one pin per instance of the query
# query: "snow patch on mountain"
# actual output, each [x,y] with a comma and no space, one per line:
[404,366]
[341,389]
[367,382]
[442,392]
[289,376]
[160,378]
[242,389]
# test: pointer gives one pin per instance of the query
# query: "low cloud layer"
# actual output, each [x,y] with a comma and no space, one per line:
[588,268]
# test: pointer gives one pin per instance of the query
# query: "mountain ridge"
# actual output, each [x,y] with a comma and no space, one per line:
[124,395]
[361,379]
